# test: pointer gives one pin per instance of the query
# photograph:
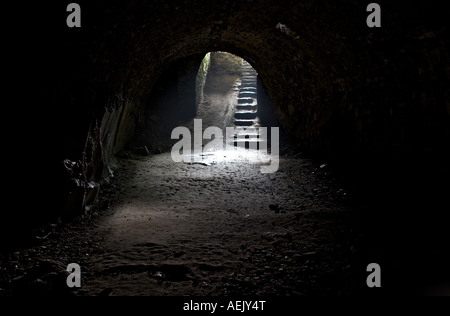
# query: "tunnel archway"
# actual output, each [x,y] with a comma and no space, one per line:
[279,79]
[222,91]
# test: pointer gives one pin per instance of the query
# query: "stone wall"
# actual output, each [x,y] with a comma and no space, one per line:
[226,63]
[201,78]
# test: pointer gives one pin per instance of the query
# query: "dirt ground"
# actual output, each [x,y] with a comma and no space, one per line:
[222,227]
[179,229]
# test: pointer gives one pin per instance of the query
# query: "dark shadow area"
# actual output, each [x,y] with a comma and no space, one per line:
[404,219]
[172,102]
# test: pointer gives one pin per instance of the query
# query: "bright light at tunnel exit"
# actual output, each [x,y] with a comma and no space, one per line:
[233,149]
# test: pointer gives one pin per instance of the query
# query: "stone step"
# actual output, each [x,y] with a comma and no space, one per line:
[245,115]
[252,132]
[248,138]
[247,107]
[248,101]
[251,110]
[248,89]
[245,101]
[247,94]
[247,144]
[248,85]
[246,132]
[242,122]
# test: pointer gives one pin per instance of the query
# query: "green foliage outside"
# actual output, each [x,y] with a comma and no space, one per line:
[225,63]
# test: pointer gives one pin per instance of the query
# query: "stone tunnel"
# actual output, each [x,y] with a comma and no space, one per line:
[371,102]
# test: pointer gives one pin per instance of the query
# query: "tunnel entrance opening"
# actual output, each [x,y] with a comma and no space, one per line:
[229,95]
[218,82]
[227,123]
[220,89]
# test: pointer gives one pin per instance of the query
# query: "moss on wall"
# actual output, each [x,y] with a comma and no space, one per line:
[225,63]
[201,78]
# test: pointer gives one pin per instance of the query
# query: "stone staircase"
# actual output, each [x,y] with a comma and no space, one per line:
[246,118]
